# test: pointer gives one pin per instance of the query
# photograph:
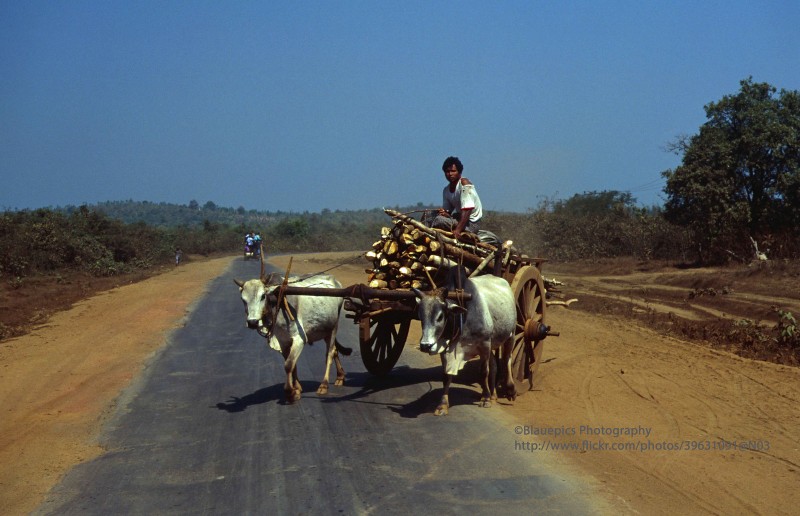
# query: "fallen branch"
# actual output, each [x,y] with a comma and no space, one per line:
[562,303]
[736,256]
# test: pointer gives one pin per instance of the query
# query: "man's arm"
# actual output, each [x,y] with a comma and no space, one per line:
[467,205]
[462,222]
[447,207]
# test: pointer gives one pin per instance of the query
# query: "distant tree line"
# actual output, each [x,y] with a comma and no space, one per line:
[44,240]
[120,237]
[193,214]
[593,225]
[589,225]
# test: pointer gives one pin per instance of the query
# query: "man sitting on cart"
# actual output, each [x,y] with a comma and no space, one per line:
[461,207]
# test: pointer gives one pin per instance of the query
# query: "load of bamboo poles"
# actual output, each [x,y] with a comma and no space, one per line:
[412,255]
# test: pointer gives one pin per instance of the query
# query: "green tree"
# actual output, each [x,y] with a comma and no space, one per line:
[596,203]
[297,228]
[739,175]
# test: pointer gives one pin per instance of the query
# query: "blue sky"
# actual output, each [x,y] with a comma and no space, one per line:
[311,105]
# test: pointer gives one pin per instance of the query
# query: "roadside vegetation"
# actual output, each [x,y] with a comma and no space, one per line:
[103,241]
[735,197]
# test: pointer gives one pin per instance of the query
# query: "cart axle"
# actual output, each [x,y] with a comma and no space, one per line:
[536,330]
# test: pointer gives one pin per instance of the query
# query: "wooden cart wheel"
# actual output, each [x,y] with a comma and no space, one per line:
[382,339]
[526,355]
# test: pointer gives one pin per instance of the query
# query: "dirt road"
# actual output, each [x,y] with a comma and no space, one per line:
[717,434]
[58,383]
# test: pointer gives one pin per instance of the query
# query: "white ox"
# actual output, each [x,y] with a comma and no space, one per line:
[298,321]
[486,323]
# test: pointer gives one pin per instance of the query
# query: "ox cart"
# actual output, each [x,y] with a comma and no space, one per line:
[384,309]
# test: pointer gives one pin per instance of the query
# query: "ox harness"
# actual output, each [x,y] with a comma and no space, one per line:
[289,314]
[456,324]
[282,305]
[453,327]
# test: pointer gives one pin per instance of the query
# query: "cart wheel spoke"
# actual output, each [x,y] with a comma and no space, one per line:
[526,355]
[387,337]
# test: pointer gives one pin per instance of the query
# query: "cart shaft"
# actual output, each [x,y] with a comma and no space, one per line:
[361,291]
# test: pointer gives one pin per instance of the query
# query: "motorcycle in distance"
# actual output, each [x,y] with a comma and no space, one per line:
[252,247]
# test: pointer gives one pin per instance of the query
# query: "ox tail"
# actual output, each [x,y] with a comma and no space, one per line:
[341,349]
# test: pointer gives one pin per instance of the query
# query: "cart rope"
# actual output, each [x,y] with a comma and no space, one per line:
[346,262]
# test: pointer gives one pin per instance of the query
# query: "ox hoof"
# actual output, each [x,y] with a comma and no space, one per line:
[323,389]
[486,402]
[294,396]
[441,410]
[511,393]
[339,382]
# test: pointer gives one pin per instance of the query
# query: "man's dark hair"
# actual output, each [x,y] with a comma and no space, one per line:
[452,160]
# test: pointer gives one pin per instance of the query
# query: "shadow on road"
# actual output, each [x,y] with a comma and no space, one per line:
[265,395]
[371,387]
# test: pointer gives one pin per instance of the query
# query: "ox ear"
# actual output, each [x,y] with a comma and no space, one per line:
[239,282]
